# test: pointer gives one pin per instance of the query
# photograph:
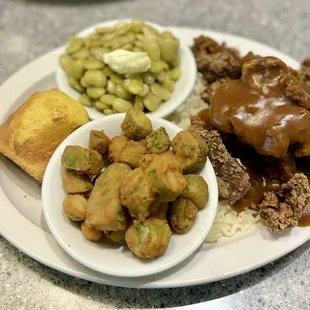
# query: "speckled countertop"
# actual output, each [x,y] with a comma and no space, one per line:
[29,28]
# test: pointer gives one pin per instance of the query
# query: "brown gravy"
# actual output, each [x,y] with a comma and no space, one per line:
[267,108]
[305,218]
[256,166]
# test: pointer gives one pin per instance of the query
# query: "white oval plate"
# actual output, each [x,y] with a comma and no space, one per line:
[182,87]
[22,222]
[117,260]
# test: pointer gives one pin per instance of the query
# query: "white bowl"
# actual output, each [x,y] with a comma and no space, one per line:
[182,88]
[118,261]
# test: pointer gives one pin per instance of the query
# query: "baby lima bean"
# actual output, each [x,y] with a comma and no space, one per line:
[121,105]
[108,99]
[95,78]
[93,64]
[114,92]
[75,84]
[160,91]
[85,100]
[95,92]
[151,102]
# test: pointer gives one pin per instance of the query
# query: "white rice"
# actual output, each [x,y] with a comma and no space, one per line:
[227,222]
[191,106]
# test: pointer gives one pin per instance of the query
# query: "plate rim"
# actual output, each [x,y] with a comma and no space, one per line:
[85,273]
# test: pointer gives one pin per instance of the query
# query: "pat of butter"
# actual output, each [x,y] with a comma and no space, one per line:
[122,61]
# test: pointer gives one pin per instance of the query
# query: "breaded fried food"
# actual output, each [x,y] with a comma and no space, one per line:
[282,209]
[75,207]
[161,211]
[148,239]
[196,190]
[136,193]
[116,236]
[233,181]
[190,150]
[116,145]
[217,63]
[131,154]
[157,142]
[99,141]
[104,210]
[75,183]
[91,233]
[32,133]
[167,180]
[136,125]
[182,215]
[81,160]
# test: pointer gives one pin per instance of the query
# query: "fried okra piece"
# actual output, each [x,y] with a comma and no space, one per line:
[104,210]
[99,141]
[91,233]
[157,141]
[116,145]
[136,125]
[136,193]
[75,207]
[82,160]
[182,215]
[116,236]
[191,150]
[148,239]
[75,183]
[131,154]
[161,211]
[196,190]
[164,173]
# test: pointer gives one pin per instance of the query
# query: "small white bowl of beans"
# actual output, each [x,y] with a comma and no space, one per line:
[83,75]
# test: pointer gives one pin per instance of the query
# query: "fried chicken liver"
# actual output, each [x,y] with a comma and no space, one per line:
[233,180]
[282,209]
[217,63]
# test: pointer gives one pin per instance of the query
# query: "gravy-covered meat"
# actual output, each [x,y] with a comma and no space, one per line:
[282,209]
[233,181]
[266,108]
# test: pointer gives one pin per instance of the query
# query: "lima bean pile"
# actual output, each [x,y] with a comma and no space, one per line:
[110,92]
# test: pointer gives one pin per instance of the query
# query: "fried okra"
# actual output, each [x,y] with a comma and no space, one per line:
[157,141]
[136,125]
[116,236]
[161,211]
[148,239]
[136,193]
[115,147]
[164,173]
[75,207]
[99,141]
[191,150]
[91,233]
[196,190]
[104,209]
[131,154]
[75,183]
[82,160]
[182,215]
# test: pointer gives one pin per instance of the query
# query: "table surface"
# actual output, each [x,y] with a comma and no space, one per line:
[29,28]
